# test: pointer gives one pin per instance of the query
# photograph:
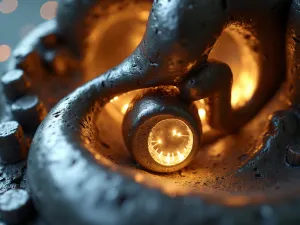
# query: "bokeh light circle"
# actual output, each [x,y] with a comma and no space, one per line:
[8,6]
[48,10]
[5,52]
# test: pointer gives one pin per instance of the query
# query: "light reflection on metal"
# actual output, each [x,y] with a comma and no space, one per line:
[161,131]
[124,79]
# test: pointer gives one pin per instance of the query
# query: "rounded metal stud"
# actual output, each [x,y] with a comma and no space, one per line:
[12,145]
[15,206]
[29,112]
[15,84]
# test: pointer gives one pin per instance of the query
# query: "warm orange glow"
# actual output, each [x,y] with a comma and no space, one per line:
[114,99]
[231,49]
[202,113]
[118,37]
[217,149]
[170,142]
[124,108]
[237,200]
[143,15]
[243,89]
[139,177]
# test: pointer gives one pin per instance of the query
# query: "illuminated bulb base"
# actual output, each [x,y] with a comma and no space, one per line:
[170,142]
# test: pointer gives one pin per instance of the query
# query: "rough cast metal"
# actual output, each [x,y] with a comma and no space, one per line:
[68,181]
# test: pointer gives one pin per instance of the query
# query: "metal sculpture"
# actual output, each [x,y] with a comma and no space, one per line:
[73,183]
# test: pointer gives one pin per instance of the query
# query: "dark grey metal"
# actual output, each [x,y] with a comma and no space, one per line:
[70,187]
[293,155]
[13,147]
[16,206]
[29,111]
[61,160]
[15,84]
[205,83]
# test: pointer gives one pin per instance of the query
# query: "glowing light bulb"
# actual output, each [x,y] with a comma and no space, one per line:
[168,159]
[170,142]
[160,155]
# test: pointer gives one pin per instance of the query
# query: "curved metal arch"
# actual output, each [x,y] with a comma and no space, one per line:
[71,187]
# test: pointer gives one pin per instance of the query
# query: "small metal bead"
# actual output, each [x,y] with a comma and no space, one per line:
[293,155]
[15,206]
[12,144]
[15,84]
[29,112]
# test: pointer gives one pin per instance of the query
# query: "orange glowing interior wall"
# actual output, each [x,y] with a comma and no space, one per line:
[231,49]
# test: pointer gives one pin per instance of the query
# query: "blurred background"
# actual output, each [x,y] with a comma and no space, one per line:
[17,18]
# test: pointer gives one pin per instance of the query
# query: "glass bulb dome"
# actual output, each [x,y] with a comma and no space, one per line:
[170,142]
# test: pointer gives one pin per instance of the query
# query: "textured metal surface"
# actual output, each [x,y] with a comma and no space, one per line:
[16,206]
[70,143]
[73,182]
[12,143]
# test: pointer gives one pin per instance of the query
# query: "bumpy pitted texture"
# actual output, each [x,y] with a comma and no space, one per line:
[12,143]
[15,206]
[82,191]
[71,187]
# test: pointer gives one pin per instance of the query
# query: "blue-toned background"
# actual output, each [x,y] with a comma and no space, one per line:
[17,18]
